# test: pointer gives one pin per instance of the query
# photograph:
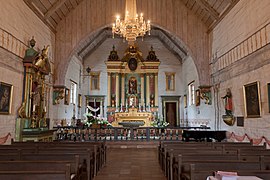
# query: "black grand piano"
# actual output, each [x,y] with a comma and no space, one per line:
[203,135]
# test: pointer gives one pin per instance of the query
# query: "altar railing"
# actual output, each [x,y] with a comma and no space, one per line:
[118,134]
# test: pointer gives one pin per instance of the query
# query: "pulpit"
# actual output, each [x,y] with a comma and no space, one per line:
[132,117]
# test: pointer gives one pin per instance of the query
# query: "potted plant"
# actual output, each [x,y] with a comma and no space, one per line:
[95,121]
[159,122]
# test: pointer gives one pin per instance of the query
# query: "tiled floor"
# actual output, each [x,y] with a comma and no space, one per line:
[131,164]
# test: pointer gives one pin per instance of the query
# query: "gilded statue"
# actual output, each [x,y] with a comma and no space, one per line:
[42,63]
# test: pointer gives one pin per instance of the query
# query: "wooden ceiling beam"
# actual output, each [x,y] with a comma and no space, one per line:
[39,14]
[54,8]
[208,8]
[229,8]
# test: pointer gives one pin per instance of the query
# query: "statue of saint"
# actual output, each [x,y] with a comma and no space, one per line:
[42,63]
[228,102]
[132,86]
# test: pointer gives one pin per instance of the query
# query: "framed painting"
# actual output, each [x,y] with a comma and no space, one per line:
[79,100]
[198,97]
[252,100]
[268,92]
[67,96]
[5,98]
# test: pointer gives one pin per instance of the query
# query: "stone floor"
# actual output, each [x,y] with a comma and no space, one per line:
[131,163]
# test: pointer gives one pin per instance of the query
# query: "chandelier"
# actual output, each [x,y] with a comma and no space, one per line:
[133,26]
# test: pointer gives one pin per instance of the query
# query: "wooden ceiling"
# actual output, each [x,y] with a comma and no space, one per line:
[51,12]
[210,11]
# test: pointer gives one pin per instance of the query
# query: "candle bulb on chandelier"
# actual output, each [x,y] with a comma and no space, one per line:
[127,15]
[117,20]
[141,18]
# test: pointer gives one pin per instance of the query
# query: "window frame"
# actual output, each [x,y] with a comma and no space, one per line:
[73,92]
[191,93]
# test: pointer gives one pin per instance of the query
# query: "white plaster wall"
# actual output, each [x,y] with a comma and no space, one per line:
[62,111]
[18,20]
[254,127]
[195,115]
[11,72]
[243,20]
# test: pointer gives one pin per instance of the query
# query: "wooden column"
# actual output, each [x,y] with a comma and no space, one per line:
[109,89]
[123,89]
[142,89]
[117,90]
[156,89]
[147,90]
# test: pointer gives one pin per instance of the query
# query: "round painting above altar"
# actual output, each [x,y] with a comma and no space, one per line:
[132,64]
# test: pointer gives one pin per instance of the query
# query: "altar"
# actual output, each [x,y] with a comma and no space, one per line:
[143,118]
[132,94]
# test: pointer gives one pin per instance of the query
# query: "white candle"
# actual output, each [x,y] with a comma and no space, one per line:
[34,107]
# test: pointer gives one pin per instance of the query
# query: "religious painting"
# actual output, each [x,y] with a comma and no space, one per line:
[170,82]
[95,80]
[185,101]
[79,100]
[132,64]
[268,91]
[198,97]
[5,98]
[252,100]
[67,96]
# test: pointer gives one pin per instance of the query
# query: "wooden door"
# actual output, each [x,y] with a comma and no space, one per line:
[171,113]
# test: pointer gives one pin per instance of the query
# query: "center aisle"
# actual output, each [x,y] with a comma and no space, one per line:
[131,164]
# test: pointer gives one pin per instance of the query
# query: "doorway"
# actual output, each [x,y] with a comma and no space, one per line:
[170,110]
[171,113]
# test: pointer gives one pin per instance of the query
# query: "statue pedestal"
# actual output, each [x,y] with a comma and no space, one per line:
[133,117]
[228,119]
[23,133]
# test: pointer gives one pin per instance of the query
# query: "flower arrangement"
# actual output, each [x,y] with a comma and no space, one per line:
[90,120]
[159,122]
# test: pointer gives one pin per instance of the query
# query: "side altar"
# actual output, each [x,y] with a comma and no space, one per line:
[32,123]
[132,118]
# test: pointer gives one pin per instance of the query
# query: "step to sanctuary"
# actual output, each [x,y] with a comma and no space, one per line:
[132,144]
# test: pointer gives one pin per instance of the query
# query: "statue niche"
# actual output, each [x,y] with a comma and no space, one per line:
[132,85]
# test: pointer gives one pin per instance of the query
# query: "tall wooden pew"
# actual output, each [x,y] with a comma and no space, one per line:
[16,170]
[196,151]
[94,153]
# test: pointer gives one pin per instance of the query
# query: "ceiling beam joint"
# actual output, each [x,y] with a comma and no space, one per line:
[208,8]
[54,8]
